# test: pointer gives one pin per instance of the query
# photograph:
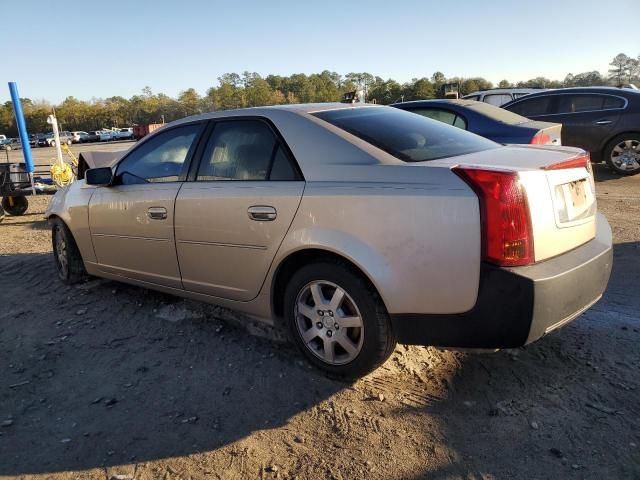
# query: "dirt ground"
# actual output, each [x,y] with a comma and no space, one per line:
[109,381]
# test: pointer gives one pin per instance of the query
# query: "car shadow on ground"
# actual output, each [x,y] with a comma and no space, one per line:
[93,376]
[602,172]
[563,407]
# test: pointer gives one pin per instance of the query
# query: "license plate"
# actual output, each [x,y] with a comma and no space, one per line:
[575,200]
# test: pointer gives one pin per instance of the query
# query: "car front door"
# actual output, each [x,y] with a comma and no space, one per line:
[231,220]
[131,222]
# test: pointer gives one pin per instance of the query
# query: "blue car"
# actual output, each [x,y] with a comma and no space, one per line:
[486,120]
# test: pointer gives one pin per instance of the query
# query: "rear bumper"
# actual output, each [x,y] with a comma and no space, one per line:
[516,306]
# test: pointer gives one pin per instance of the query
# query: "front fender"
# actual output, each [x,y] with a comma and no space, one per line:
[71,204]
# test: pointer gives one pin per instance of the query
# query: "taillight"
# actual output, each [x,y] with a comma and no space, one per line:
[507,237]
[581,161]
[540,138]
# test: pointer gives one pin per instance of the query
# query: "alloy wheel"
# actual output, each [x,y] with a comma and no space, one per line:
[329,322]
[626,155]
[61,254]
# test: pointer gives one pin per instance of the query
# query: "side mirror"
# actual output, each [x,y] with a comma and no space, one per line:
[102,176]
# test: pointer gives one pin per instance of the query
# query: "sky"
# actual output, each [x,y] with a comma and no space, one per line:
[59,49]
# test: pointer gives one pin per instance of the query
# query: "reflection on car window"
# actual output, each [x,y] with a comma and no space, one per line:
[532,106]
[409,137]
[160,159]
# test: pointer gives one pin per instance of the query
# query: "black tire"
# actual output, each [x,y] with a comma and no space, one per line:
[609,156]
[70,270]
[15,206]
[1,214]
[378,339]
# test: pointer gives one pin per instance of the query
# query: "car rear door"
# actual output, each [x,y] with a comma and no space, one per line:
[587,119]
[231,219]
[131,222]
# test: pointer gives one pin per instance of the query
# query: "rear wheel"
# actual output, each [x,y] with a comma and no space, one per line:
[15,205]
[66,256]
[1,214]
[53,143]
[338,320]
[622,154]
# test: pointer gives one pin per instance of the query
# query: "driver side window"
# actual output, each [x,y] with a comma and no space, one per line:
[160,159]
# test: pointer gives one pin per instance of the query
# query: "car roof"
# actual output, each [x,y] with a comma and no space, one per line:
[463,102]
[507,90]
[620,92]
[297,108]
[568,90]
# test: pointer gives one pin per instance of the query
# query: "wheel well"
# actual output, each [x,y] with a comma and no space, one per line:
[297,260]
[606,143]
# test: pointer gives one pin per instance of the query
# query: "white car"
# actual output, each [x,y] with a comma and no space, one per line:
[79,136]
[123,134]
[105,135]
[500,96]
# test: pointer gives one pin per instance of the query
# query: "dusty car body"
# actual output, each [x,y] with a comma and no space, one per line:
[356,240]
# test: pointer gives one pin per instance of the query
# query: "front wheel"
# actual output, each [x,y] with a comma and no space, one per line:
[337,319]
[66,256]
[15,205]
[622,154]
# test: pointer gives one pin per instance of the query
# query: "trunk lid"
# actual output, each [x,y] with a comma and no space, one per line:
[552,132]
[562,201]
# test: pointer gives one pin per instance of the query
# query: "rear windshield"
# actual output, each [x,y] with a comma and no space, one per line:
[405,135]
[497,113]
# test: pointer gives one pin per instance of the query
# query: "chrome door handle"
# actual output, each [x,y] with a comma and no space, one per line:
[604,122]
[262,213]
[157,213]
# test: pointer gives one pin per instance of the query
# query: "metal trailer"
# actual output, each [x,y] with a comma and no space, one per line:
[15,187]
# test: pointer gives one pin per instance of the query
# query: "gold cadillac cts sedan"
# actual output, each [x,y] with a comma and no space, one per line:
[355,226]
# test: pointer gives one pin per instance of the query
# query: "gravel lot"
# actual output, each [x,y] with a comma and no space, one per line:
[105,380]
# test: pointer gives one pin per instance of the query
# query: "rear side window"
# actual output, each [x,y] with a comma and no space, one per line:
[444,116]
[579,103]
[409,137]
[532,106]
[244,150]
[613,102]
[497,99]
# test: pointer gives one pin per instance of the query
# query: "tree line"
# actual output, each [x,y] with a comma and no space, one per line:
[250,89]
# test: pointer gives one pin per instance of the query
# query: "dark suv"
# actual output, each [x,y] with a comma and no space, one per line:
[602,120]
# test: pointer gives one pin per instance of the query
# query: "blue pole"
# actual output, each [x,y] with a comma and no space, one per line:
[22,127]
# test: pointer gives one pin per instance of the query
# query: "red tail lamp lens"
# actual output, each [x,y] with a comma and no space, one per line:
[506,223]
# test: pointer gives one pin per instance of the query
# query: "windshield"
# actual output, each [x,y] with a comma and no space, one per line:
[405,135]
[497,113]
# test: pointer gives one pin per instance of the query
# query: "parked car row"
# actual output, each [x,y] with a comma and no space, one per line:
[9,144]
[48,140]
[604,121]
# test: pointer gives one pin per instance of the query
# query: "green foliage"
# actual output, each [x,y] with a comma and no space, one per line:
[249,89]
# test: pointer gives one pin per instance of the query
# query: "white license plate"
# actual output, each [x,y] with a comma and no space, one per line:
[576,199]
